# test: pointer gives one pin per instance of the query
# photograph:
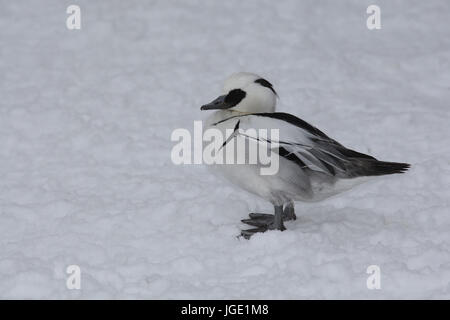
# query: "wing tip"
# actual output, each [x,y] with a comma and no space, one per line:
[383,167]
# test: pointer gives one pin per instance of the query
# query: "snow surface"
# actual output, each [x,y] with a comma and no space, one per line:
[86,175]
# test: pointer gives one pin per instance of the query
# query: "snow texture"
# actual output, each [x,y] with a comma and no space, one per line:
[87,179]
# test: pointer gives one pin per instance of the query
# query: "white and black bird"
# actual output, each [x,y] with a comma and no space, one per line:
[312,166]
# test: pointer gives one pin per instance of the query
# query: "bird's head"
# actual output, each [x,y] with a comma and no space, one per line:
[245,92]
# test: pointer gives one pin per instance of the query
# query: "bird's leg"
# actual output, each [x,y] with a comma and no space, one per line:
[289,212]
[278,219]
[265,222]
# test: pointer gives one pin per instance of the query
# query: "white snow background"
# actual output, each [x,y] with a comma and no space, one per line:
[86,176]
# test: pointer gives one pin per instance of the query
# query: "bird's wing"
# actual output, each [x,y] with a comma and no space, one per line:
[299,142]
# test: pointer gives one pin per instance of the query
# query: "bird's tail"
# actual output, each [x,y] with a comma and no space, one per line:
[379,168]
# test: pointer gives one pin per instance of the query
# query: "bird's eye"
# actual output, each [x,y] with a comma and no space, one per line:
[235,96]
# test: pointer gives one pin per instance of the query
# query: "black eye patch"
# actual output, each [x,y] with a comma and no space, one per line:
[266,84]
[234,97]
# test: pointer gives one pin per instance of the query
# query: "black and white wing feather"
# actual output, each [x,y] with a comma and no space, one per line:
[310,148]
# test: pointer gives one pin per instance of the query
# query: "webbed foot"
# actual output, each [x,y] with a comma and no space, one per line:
[264,222]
